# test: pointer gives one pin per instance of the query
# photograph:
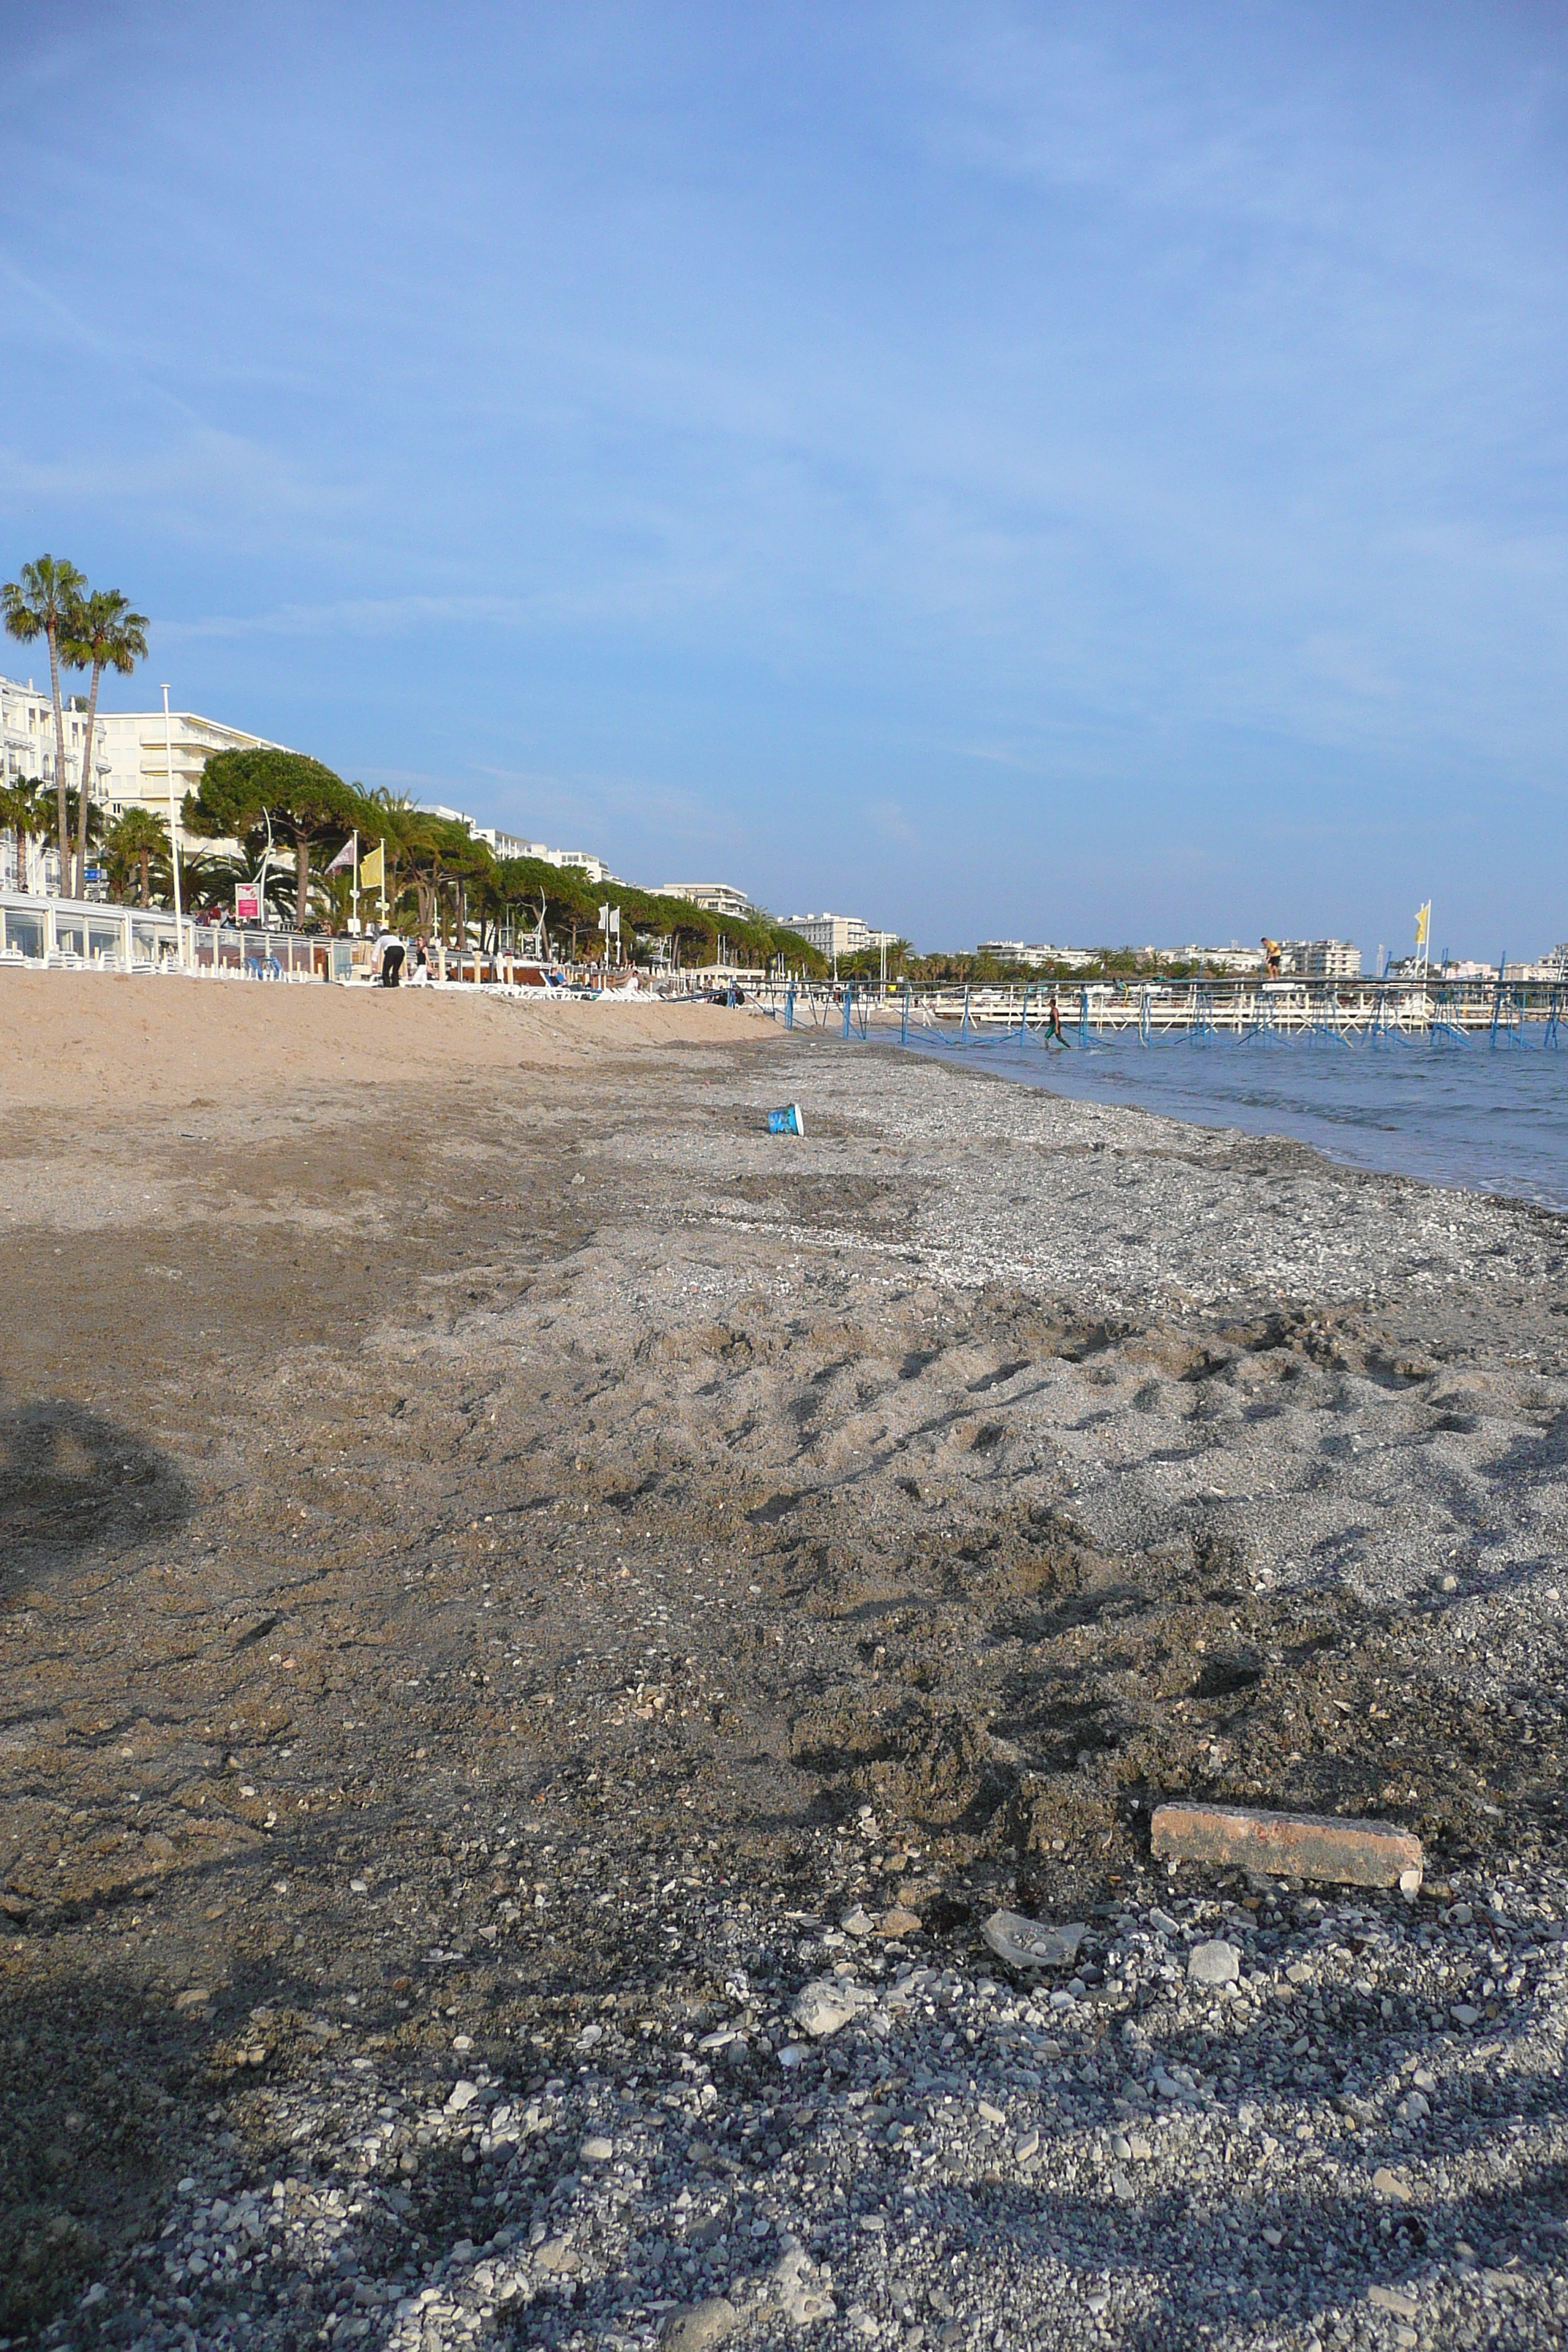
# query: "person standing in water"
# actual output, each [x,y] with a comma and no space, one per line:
[1053,1022]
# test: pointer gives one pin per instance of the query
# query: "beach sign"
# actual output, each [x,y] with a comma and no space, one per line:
[247,902]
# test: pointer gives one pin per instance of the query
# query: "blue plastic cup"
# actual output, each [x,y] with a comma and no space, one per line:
[787,1122]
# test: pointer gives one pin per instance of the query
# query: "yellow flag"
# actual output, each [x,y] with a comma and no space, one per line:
[372,870]
[1423,917]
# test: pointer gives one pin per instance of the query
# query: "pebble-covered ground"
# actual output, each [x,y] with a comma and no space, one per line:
[524,1692]
[1351,2137]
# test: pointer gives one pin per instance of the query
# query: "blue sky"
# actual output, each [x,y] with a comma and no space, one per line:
[1079,474]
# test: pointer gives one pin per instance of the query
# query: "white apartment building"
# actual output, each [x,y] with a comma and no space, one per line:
[713,897]
[839,935]
[1320,960]
[28,755]
[1235,959]
[1034,955]
[512,844]
[131,759]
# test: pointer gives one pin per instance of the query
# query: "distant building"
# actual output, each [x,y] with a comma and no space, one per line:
[1319,959]
[512,844]
[713,897]
[1233,959]
[839,935]
[509,844]
[1034,956]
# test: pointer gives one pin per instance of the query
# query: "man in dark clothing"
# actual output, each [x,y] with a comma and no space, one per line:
[391,962]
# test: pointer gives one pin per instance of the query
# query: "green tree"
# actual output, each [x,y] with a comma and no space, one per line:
[37,606]
[135,838]
[439,852]
[243,793]
[101,632]
[25,811]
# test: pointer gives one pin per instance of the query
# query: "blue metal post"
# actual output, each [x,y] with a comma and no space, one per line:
[904,1034]
[848,1002]
[963,1028]
[1083,1016]
[789,1006]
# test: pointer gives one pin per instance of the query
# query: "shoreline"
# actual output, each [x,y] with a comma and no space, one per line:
[1329,1125]
[511,1571]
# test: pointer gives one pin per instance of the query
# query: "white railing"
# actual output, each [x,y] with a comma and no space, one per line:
[86,934]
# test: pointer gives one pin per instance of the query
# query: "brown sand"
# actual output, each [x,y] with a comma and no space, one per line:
[76,1040]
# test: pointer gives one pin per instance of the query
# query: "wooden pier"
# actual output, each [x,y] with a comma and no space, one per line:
[1338,1011]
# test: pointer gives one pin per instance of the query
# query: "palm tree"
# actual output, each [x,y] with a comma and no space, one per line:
[37,606]
[88,821]
[25,811]
[135,839]
[207,880]
[100,632]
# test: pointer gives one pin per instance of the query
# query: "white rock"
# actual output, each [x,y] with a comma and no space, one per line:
[823,2006]
[798,2292]
[1029,1944]
[1214,1963]
[463,2095]
[598,2150]
[859,1923]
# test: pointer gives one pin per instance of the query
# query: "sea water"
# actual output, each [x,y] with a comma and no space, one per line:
[1490,1119]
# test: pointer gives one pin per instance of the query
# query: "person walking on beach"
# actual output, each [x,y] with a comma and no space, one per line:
[419,977]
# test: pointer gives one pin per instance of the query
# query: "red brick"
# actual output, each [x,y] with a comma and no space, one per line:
[1286,1845]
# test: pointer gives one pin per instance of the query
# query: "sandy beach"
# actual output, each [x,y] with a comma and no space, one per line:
[510,1572]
